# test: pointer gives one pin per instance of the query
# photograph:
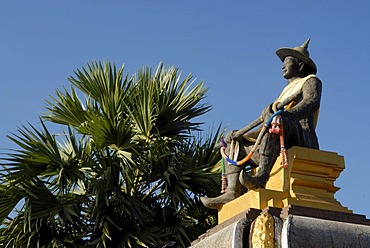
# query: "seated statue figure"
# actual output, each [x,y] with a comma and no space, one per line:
[300,102]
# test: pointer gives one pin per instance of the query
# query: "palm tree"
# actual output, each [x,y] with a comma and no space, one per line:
[126,170]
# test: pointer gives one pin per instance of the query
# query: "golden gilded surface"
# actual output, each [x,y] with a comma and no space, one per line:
[263,232]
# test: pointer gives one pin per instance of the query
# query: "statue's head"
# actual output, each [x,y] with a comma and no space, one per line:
[301,53]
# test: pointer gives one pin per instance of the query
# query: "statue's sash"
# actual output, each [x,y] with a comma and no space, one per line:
[294,87]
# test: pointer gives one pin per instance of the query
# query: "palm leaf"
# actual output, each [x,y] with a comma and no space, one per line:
[9,198]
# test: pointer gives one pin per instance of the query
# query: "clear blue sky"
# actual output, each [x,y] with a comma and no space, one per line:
[230,45]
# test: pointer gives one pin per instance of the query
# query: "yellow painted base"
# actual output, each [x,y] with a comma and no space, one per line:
[308,182]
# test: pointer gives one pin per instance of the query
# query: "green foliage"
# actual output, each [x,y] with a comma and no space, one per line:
[128,172]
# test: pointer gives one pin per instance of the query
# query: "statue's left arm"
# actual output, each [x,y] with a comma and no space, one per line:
[309,103]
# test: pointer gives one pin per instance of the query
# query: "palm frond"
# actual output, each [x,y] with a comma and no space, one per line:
[9,199]
[67,109]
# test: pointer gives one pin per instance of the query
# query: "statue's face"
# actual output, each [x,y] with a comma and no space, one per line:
[290,67]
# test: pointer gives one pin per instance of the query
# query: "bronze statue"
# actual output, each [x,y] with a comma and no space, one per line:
[300,100]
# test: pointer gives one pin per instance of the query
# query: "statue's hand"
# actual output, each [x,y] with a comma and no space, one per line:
[267,112]
[276,106]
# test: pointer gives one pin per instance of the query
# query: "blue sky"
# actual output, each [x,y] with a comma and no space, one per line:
[230,45]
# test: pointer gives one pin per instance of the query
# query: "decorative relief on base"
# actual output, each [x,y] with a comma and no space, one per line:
[263,232]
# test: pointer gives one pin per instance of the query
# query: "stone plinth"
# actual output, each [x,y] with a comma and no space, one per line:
[306,232]
[234,235]
[308,181]
[291,226]
[296,209]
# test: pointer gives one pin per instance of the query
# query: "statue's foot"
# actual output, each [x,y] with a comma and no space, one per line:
[217,202]
[252,182]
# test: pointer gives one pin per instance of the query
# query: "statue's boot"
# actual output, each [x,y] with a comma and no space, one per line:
[232,190]
[262,175]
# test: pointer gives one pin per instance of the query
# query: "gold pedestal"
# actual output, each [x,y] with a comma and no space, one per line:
[308,182]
